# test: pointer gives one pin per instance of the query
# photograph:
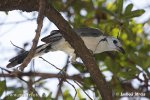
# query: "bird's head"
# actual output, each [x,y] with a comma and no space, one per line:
[111,44]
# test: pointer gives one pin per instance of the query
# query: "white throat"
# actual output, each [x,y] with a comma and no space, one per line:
[94,44]
[101,47]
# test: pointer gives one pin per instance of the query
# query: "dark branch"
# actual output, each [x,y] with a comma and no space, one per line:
[44,76]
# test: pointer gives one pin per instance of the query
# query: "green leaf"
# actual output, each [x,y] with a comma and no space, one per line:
[117,86]
[128,8]
[87,82]
[79,95]
[120,6]
[103,9]
[17,93]
[35,96]
[2,87]
[133,14]
[44,97]
[67,95]
[80,67]
[49,97]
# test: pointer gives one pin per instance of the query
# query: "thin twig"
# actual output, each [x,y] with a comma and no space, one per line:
[61,80]
[42,5]
[50,63]
[83,89]
[17,22]
[17,46]
[22,79]
[65,74]
[43,75]
[74,89]
[59,89]
[62,71]
[5,70]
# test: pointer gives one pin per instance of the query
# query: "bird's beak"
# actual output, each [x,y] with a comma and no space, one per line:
[121,50]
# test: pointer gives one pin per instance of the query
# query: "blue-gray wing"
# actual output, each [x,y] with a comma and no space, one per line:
[17,59]
[53,37]
[89,32]
[83,32]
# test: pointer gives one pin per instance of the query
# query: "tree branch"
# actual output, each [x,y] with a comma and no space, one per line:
[74,40]
[44,76]
[40,18]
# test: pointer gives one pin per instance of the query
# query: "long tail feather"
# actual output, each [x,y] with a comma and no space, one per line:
[17,60]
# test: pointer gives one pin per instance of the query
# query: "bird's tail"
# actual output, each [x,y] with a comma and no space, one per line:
[17,59]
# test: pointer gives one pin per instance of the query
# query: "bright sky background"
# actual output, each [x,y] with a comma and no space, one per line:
[24,32]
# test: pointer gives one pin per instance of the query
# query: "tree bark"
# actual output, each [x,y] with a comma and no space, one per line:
[75,41]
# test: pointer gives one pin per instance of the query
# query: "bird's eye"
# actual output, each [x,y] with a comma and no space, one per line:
[115,41]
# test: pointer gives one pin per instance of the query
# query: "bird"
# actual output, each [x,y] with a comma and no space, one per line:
[93,38]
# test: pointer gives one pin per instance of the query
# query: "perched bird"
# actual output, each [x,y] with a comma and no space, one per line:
[94,40]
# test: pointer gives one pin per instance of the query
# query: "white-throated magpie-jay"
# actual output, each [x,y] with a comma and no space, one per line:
[93,39]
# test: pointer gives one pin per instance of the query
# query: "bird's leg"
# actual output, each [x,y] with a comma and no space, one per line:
[72,59]
[81,63]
